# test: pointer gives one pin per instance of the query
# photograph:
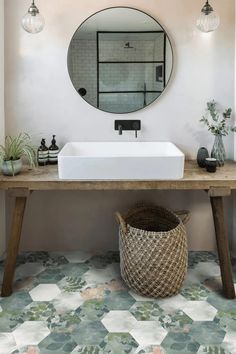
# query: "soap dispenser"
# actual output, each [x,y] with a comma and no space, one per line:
[53,152]
[43,154]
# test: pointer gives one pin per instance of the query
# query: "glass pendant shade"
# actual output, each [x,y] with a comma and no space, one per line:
[33,22]
[209,20]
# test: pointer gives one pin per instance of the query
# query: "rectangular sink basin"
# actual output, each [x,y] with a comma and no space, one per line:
[120,161]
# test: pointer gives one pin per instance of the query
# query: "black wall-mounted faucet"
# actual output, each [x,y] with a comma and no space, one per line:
[122,125]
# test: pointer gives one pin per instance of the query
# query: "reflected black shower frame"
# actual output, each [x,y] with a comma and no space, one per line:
[163,62]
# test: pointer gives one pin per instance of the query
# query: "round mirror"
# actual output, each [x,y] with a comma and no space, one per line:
[120,60]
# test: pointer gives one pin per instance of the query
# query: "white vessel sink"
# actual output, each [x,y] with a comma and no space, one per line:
[120,161]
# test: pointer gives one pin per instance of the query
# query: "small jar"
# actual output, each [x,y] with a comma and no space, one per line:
[211,164]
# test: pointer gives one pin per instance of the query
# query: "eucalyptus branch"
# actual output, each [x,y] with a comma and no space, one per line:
[216,124]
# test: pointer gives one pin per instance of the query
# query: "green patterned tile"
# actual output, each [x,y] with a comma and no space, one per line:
[73,269]
[36,311]
[176,321]
[221,303]
[89,333]
[67,322]
[197,257]
[146,311]
[29,349]
[87,349]
[102,260]
[9,320]
[57,343]
[92,310]
[71,284]
[226,320]
[207,333]
[213,349]
[152,350]
[17,301]
[49,276]
[41,257]
[179,343]
[117,343]
[197,292]
[120,300]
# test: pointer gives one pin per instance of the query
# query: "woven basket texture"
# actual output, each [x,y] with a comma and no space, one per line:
[153,250]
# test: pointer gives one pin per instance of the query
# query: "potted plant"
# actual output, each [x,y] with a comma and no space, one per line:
[218,125]
[16,148]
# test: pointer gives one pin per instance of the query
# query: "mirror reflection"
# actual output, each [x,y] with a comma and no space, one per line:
[120,60]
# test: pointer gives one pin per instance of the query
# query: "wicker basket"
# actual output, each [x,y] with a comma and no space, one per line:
[153,250]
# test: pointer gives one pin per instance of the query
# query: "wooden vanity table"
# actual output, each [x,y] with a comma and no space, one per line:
[217,185]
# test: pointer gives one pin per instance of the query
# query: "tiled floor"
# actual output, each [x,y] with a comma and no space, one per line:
[77,303]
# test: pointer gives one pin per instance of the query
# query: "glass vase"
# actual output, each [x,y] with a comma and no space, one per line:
[218,150]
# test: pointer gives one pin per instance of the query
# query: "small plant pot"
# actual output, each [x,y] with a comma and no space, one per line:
[12,167]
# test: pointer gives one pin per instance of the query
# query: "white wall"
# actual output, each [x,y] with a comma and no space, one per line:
[2,124]
[41,100]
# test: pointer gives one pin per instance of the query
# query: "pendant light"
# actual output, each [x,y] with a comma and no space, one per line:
[209,20]
[33,22]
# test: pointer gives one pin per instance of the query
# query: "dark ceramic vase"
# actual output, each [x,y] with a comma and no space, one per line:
[202,155]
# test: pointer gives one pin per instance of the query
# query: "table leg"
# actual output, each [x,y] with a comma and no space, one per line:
[223,246]
[13,246]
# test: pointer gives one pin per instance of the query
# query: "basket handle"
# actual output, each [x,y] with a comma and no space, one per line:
[121,222]
[184,215]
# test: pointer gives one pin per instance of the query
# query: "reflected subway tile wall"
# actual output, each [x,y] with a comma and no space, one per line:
[116,76]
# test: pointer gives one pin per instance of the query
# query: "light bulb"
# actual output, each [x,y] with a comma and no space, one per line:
[209,20]
[33,22]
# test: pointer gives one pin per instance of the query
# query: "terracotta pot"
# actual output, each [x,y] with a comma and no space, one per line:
[12,167]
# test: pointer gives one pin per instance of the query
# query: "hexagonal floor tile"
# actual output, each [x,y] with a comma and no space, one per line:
[152,349]
[200,311]
[178,342]
[173,303]
[119,300]
[230,342]
[138,297]
[7,343]
[100,276]
[214,349]
[148,333]
[30,333]
[49,276]
[92,310]
[197,292]
[37,311]
[74,270]
[119,343]
[32,349]
[16,301]
[57,343]
[89,333]
[119,321]
[77,257]
[87,349]
[28,270]
[206,333]
[220,303]
[45,292]
[146,311]
[201,272]
[65,302]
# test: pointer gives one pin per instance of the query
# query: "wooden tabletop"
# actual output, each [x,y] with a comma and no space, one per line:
[46,178]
